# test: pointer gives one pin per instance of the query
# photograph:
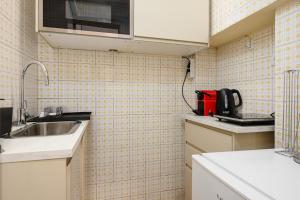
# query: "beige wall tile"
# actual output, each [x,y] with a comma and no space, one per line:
[67,72]
[68,89]
[86,72]
[18,45]
[138,187]
[250,70]
[287,53]
[134,99]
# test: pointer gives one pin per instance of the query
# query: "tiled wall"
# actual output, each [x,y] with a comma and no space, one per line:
[248,65]
[250,80]
[135,139]
[18,45]
[287,50]
[226,13]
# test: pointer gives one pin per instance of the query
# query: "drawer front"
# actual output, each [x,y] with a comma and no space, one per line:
[188,183]
[208,187]
[189,151]
[206,139]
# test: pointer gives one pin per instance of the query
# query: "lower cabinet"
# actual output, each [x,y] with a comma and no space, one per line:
[75,175]
[188,182]
[200,138]
[56,179]
[208,187]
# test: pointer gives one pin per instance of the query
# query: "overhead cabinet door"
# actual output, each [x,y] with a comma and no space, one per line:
[179,20]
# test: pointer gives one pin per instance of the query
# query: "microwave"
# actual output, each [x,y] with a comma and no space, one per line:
[109,17]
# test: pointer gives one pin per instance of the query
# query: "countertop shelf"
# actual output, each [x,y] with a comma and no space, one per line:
[41,148]
[215,123]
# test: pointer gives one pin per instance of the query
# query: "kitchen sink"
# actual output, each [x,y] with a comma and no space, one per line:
[47,129]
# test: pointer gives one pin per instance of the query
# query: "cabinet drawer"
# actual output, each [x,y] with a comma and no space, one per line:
[188,183]
[189,151]
[206,139]
[208,187]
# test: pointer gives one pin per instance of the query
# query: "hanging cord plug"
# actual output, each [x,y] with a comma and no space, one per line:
[188,66]
[188,70]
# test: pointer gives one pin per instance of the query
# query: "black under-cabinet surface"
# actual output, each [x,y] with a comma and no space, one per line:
[72,116]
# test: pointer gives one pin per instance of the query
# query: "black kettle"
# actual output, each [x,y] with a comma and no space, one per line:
[226,102]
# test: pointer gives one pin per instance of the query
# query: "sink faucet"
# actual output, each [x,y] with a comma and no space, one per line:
[23,114]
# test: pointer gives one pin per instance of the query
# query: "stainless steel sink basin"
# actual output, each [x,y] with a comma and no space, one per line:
[47,129]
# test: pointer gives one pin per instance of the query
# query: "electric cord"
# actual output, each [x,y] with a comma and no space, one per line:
[182,88]
[182,91]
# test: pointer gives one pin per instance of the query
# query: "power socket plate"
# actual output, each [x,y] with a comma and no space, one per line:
[192,68]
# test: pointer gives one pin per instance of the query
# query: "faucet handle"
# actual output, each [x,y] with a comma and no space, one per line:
[27,115]
[59,110]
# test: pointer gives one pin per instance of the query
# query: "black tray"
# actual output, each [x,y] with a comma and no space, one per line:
[72,116]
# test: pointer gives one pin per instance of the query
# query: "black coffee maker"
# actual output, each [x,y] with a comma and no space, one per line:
[228,101]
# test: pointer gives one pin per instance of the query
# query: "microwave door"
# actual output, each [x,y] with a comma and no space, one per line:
[93,11]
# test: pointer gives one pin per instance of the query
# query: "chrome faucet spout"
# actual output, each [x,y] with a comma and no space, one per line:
[23,107]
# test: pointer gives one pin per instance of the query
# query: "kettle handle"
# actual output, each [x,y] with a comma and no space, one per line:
[239,96]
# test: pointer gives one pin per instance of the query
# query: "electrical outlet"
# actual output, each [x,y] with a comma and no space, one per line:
[192,68]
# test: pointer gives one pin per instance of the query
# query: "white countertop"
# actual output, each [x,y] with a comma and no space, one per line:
[41,148]
[257,174]
[214,122]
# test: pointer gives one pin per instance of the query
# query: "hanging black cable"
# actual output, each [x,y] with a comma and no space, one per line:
[182,88]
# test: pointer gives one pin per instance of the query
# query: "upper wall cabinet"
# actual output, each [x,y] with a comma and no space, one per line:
[172,27]
[249,19]
[176,20]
